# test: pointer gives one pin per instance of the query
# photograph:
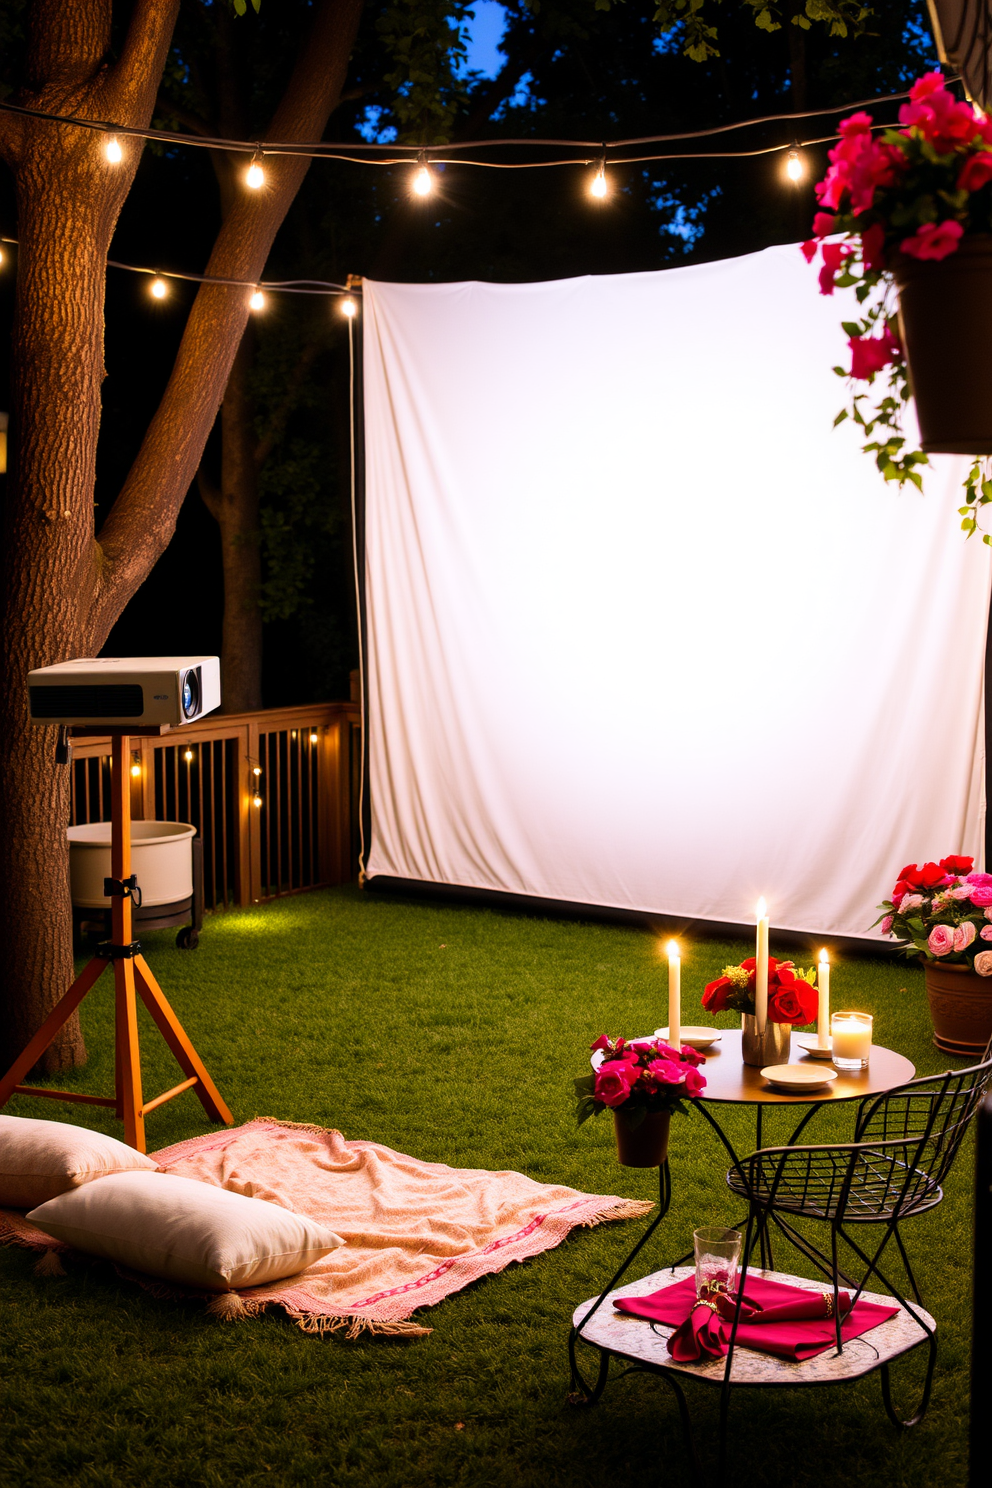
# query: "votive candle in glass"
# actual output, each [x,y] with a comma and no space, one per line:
[850,1040]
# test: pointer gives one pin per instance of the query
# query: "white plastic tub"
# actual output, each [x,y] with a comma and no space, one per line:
[161,858]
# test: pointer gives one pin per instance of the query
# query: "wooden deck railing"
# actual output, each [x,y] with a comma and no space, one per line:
[273,795]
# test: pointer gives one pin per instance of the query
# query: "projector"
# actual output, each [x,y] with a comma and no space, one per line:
[122,690]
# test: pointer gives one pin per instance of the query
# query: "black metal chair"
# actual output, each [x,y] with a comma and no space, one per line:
[904,1144]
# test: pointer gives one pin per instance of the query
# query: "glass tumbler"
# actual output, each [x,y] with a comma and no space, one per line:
[718,1254]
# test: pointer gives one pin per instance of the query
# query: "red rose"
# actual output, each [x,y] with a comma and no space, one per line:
[614,1081]
[794,1002]
[689,1056]
[808,250]
[926,877]
[715,995]
[823,224]
[956,865]
[873,246]
[666,1071]
[601,1043]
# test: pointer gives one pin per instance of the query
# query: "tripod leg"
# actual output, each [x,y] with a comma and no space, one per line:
[128,1057]
[178,1041]
[62,1010]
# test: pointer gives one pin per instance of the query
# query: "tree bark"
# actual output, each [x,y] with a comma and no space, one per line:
[63,588]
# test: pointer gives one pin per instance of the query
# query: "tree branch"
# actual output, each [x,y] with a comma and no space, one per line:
[131,85]
[169,110]
[143,517]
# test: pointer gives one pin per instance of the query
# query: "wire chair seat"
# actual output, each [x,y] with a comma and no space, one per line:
[861,1183]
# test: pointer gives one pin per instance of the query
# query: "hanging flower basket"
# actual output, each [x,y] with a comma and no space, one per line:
[906,222]
[945,324]
[645,1145]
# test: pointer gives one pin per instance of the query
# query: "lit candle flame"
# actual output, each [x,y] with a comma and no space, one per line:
[824,958]
[673,948]
[762,909]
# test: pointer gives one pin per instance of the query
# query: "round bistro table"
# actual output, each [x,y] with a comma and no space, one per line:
[729,1081]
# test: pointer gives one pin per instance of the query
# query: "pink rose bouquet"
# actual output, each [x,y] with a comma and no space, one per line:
[637,1077]
[915,190]
[941,912]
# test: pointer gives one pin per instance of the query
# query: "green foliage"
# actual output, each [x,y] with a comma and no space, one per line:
[240,8]
[699,37]
[424,44]
[977,493]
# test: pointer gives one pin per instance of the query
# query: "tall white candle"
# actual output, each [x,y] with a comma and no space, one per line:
[823,1002]
[674,995]
[761,968]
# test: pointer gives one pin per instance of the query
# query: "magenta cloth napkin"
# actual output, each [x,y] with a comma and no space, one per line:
[780,1328]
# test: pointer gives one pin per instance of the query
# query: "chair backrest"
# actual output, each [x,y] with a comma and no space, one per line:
[932,1112]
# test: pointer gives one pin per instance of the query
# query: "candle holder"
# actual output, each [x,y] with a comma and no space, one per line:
[772,1047]
[850,1040]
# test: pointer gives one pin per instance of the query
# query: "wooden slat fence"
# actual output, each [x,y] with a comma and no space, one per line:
[300,765]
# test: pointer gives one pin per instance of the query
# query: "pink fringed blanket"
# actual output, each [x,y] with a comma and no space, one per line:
[415,1231]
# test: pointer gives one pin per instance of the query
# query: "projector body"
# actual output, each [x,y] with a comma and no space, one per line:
[118,691]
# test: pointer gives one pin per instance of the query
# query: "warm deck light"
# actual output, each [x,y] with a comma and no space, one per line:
[159,289]
[598,186]
[349,307]
[256,800]
[313,738]
[113,150]
[188,756]
[795,167]
[257,301]
[255,175]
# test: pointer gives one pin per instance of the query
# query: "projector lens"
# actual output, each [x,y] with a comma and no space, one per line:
[191,694]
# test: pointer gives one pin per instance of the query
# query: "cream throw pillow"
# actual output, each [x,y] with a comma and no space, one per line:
[39,1159]
[185,1231]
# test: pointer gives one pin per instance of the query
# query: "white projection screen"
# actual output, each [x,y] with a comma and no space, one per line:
[643,630]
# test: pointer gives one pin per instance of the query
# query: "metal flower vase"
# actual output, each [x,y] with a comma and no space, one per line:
[773,1047]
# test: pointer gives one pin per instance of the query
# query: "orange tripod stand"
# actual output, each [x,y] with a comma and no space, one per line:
[132,978]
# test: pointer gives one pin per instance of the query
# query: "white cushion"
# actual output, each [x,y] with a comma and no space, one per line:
[39,1159]
[186,1231]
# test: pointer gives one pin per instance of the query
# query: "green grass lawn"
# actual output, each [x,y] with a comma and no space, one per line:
[452,1034]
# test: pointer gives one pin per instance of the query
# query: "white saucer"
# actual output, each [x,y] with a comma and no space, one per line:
[696,1038]
[798,1077]
[807,1042]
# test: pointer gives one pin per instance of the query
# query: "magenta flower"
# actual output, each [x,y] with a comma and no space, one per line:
[694,1082]
[976,172]
[614,1080]
[886,926]
[940,941]
[986,933]
[934,240]
[981,896]
[666,1071]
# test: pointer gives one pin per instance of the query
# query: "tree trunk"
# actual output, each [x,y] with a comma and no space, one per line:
[67,206]
[63,588]
[238,518]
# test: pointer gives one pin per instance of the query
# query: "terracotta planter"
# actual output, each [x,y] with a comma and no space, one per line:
[945,319]
[960,1006]
[643,1146]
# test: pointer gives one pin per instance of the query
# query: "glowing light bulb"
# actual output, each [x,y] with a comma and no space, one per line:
[255,175]
[423,182]
[188,756]
[349,307]
[598,186]
[159,289]
[113,150]
[136,771]
[257,770]
[257,301]
[795,167]
[313,738]
[256,800]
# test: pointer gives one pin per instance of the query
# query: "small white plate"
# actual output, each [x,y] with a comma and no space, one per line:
[696,1038]
[807,1042]
[798,1077]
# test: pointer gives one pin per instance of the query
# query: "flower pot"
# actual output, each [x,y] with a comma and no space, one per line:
[945,321]
[773,1048]
[960,1006]
[645,1145]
